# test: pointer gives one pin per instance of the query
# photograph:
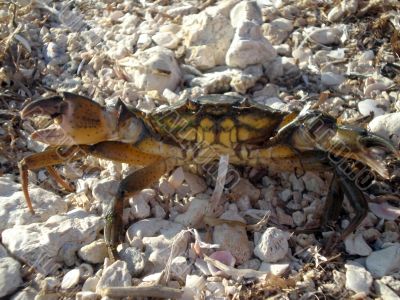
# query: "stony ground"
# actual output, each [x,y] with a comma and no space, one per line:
[341,57]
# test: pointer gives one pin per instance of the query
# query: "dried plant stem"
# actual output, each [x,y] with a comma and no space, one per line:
[156,291]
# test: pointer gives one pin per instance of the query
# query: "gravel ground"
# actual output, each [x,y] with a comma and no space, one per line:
[341,57]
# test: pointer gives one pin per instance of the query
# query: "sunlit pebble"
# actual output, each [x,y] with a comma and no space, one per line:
[70,279]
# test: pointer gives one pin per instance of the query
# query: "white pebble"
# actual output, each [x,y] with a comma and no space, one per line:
[369,105]
[70,279]
[274,269]
[273,245]
[94,252]
[358,279]
[387,126]
[249,47]
[115,275]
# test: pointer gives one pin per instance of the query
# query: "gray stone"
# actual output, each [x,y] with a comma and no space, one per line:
[134,260]
[384,262]
[10,276]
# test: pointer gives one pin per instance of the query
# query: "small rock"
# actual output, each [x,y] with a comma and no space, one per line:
[285,195]
[177,177]
[296,182]
[314,183]
[87,296]
[390,237]
[158,249]
[104,191]
[115,275]
[325,36]
[3,251]
[283,217]
[215,82]
[384,291]
[13,209]
[70,279]
[368,106]
[277,30]
[180,268]
[134,260]
[358,279]
[345,8]
[384,262]
[374,88]
[387,126]
[355,244]
[90,284]
[273,245]
[196,183]
[152,227]
[140,207]
[245,188]
[332,79]
[39,244]
[233,238]
[194,214]
[245,11]
[274,269]
[207,37]
[166,188]
[254,264]
[249,47]
[144,41]
[10,276]
[244,203]
[166,39]
[94,252]
[298,218]
[246,79]
[152,69]
[50,283]
[27,293]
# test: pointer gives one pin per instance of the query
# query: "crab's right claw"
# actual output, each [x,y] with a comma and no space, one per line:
[77,120]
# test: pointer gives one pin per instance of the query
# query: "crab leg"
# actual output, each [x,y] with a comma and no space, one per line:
[333,202]
[131,184]
[47,159]
[357,201]
[65,184]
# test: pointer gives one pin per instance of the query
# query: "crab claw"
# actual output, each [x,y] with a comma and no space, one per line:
[363,146]
[77,120]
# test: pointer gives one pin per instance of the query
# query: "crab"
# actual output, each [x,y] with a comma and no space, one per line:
[199,131]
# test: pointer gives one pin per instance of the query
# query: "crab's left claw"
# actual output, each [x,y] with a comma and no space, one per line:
[77,120]
[316,130]
[365,147]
